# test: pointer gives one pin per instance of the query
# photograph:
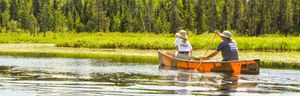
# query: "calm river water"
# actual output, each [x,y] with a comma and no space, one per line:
[59,76]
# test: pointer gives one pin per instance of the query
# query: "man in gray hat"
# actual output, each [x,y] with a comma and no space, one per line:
[227,46]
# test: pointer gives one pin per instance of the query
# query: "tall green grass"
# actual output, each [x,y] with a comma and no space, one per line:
[165,41]
[149,41]
[27,38]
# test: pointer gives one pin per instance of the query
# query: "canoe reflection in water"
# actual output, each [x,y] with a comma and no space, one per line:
[229,83]
[192,82]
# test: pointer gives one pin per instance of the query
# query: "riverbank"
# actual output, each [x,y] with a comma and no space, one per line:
[49,50]
[118,40]
[291,60]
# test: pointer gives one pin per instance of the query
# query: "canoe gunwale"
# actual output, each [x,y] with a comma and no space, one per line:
[205,61]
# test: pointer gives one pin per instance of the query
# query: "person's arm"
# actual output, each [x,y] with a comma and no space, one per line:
[214,53]
[190,47]
[176,42]
[190,54]
[178,36]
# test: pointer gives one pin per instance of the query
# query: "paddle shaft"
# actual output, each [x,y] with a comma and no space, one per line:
[210,43]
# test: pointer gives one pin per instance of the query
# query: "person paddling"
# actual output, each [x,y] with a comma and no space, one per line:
[228,47]
[183,44]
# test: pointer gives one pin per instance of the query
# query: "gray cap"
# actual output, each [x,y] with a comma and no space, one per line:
[226,34]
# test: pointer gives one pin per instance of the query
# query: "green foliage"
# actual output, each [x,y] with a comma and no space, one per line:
[245,17]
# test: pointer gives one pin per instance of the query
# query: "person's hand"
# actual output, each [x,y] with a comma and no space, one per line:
[204,58]
[178,36]
[183,38]
[216,32]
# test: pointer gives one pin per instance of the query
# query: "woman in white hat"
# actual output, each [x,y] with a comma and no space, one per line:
[227,46]
[184,46]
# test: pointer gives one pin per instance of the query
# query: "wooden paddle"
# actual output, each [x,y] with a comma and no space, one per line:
[201,59]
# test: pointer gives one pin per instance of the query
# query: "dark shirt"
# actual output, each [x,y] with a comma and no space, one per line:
[229,50]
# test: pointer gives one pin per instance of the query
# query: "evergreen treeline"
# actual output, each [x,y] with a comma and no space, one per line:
[245,17]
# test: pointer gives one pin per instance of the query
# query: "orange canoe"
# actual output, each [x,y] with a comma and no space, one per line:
[240,66]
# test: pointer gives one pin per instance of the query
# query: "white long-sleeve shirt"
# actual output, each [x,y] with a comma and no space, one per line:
[183,46]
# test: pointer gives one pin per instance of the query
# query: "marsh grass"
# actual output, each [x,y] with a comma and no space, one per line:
[110,57]
[150,41]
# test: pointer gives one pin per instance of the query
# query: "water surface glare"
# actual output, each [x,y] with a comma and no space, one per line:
[60,76]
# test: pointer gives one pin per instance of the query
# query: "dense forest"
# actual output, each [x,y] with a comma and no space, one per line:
[245,17]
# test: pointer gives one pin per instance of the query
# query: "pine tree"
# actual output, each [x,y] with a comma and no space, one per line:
[24,18]
[54,14]
[5,18]
[213,17]
[198,18]
[3,7]
[36,12]
[98,12]
[174,17]
[13,9]
[149,17]
[236,16]
[55,5]
[187,14]
[267,16]
[45,17]
[296,16]
[253,14]
[224,16]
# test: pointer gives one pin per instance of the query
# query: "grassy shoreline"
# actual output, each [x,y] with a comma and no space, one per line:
[117,40]
[269,59]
